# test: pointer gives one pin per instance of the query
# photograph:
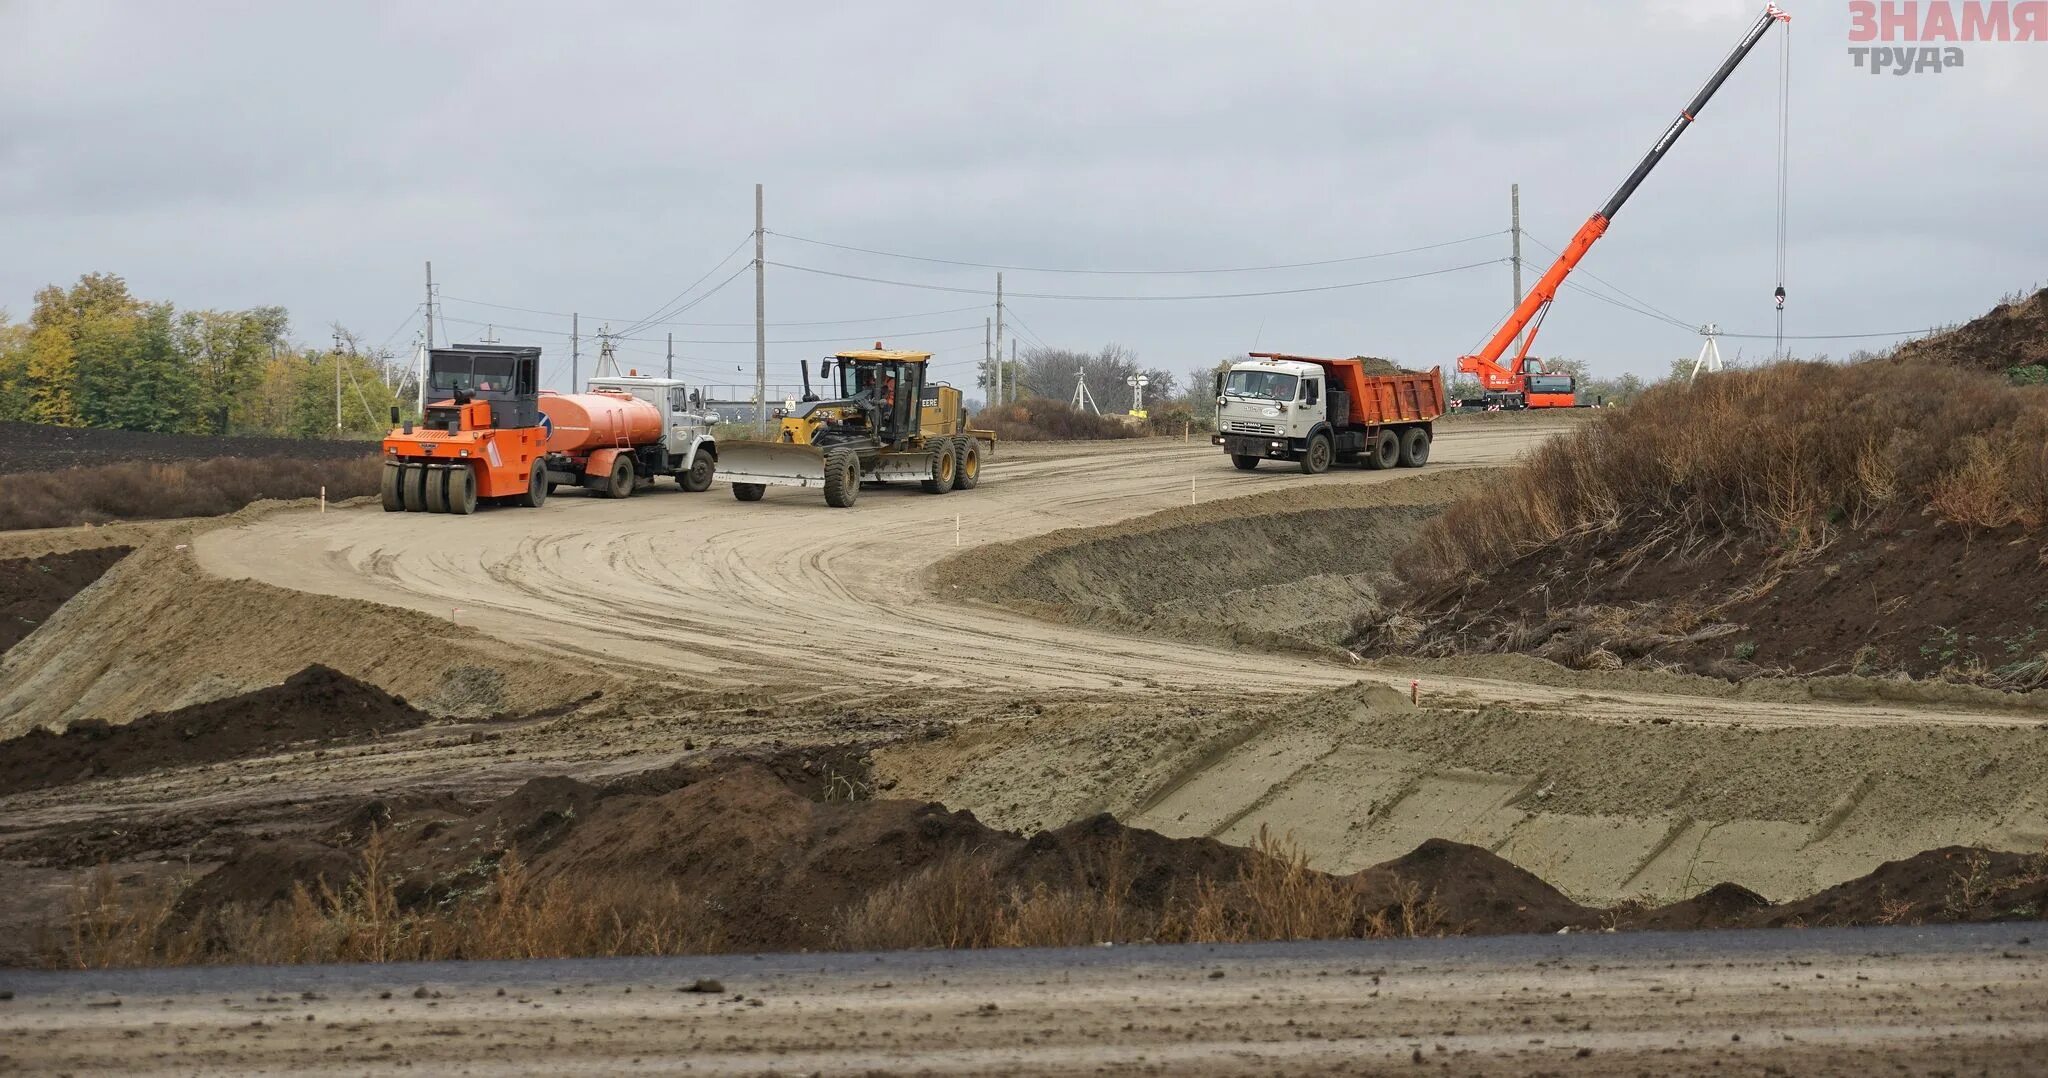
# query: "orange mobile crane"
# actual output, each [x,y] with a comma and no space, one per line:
[1523,383]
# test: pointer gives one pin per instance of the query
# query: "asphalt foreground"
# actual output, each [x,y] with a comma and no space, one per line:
[1952,1000]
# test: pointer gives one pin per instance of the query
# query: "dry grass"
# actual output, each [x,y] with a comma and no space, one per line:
[1789,453]
[1041,419]
[155,491]
[960,902]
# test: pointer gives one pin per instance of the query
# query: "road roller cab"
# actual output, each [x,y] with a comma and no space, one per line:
[481,437]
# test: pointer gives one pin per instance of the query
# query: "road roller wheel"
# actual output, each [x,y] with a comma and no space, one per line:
[461,496]
[394,500]
[413,486]
[437,490]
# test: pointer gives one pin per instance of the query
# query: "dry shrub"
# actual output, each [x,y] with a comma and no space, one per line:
[1041,419]
[144,490]
[1784,453]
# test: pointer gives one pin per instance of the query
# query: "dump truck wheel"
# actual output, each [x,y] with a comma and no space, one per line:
[1414,448]
[413,484]
[437,490]
[842,478]
[537,487]
[1315,460]
[461,496]
[394,500]
[620,484]
[1244,463]
[749,492]
[967,465]
[944,465]
[1384,453]
[698,479]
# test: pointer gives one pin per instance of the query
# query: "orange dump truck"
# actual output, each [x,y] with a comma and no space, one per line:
[1319,412]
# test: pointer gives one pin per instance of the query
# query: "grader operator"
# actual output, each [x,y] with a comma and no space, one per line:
[880,416]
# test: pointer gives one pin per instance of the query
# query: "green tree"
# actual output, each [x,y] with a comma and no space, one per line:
[13,369]
[227,352]
[130,374]
[56,329]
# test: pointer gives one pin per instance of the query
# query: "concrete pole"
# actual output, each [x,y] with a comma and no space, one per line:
[1515,204]
[999,333]
[672,352]
[575,350]
[760,315]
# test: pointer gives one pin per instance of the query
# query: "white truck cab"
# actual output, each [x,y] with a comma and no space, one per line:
[1279,400]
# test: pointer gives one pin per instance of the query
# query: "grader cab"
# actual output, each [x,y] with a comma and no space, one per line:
[876,416]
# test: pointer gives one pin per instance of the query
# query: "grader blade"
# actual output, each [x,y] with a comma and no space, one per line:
[778,464]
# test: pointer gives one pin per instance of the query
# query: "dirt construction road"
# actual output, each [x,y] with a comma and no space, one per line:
[785,593]
[1825,1002]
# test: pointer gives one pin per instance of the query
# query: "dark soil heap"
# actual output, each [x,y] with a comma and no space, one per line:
[316,704]
[31,589]
[2011,335]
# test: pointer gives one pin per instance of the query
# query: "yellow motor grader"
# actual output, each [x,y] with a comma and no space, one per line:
[879,417]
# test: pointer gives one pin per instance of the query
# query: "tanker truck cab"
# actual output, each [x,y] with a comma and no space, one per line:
[688,449]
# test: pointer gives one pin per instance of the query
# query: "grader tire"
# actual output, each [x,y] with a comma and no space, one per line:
[967,465]
[394,500]
[944,467]
[842,478]
[461,495]
[749,492]
[413,487]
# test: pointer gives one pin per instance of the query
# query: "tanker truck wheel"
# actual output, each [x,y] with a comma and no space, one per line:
[1244,463]
[461,495]
[842,478]
[1315,460]
[698,479]
[620,484]
[394,501]
[412,482]
[537,487]
[437,490]
[967,465]
[945,467]
[1414,448]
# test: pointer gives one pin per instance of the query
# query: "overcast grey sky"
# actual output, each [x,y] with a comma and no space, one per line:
[600,157]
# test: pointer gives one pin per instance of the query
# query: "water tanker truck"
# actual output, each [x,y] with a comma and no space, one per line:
[489,433]
[1319,412]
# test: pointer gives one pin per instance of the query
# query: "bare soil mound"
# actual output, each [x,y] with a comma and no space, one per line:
[2012,335]
[31,589]
[317,704]
[760,865]
[1300,567]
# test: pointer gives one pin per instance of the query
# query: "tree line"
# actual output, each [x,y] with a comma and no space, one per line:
[94,355]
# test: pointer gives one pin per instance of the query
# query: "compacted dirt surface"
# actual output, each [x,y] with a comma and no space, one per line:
[1964,1000]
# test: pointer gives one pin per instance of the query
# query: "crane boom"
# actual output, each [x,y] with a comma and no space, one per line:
[1512,378]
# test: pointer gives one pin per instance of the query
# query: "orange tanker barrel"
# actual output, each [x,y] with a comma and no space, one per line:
[580,422]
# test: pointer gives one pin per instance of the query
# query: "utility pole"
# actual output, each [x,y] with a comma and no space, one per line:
[672,349]
[575,349]
[999,336]
[430,304]
[760,315]
[1515,204]
[337,381]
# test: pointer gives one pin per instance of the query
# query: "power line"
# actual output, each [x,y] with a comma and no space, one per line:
[749,340]
[1645,304]
[663,310]
[1142,299]
[1138,272]
[729,325]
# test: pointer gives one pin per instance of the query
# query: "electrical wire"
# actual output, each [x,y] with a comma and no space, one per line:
[1140,299]
[1582,272]
[663,310]
[1137,272]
